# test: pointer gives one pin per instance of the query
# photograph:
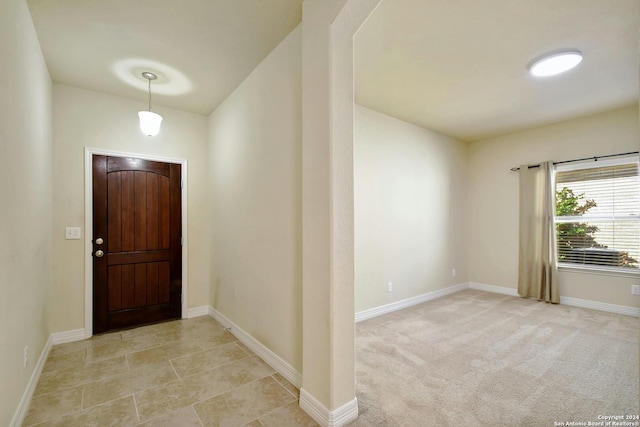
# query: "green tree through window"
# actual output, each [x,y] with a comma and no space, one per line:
[576,237]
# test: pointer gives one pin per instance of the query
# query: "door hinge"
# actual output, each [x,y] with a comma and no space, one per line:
[181,184]
[181,240]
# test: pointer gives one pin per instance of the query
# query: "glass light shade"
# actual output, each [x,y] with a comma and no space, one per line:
[150,122]
[556,63]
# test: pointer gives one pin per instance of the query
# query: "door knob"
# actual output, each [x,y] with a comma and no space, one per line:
[99,253]
[99,241]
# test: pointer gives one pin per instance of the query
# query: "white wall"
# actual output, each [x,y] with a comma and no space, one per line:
[410,209]
[25,199]
[83,118]
[493,201]
[317,18]
[255,192]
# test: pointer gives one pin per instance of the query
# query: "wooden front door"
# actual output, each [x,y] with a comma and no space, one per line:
[137,250]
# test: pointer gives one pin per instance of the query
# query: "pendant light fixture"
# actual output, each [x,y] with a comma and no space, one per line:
[149,121]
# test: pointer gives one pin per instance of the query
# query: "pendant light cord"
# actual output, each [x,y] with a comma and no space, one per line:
[149,76]
[149,94]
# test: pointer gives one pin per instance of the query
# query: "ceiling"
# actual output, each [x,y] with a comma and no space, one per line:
[454,66]
[201,50]
[459,67]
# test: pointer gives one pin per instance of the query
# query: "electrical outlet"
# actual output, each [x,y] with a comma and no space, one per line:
[635,289]
[453,273]
[26,356]
[390,287]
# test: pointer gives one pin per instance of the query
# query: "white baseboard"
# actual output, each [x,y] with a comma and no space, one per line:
[326,418]
[275,361]
[399,305]
[23,407]
[68,336]
[56,338]
[308,403]
[602,306]
[495,289]
[203,310]
[575,302]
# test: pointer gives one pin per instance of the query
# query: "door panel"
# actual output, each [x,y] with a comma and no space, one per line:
[137,206]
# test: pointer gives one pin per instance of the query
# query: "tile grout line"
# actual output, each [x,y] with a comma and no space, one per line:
[135,405]
[256,419]
[246,354]
[82,398]
[197,415]
[174,368]
[240,347]
[296,398]
[227,391]
[80,384]
[283,386]
[58,356]
[273,410]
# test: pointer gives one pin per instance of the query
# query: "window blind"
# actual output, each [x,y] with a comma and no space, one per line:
[597,215]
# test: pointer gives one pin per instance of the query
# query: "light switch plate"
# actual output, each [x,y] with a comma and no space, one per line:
[72,233]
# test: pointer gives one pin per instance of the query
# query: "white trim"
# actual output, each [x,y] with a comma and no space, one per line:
[575,302]
[399,305]
[23,407]
[344,414]
[203,310]
[316,410]
[88,226]
[602,306]
[68,336]
[275,361]
[88,235]
[495,289]
[602,271]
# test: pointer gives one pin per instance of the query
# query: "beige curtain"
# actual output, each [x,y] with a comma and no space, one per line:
[537,268]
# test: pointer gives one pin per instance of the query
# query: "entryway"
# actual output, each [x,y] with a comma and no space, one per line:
[136,242]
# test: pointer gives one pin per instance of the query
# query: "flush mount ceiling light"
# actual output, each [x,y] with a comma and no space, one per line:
[149,121]
[554,63]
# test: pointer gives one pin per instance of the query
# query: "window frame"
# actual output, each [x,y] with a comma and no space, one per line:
[591,268]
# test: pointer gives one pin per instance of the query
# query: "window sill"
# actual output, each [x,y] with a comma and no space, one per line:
[603,271]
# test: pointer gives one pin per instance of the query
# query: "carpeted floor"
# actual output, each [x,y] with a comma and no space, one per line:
[483,359]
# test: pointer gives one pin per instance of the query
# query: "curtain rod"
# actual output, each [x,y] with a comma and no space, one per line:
[595,159]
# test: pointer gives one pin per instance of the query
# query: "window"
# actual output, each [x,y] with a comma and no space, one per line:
[597,214]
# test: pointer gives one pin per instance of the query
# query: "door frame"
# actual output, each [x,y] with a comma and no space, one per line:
[88,226]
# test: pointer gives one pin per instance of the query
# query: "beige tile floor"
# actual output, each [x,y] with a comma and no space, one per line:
[180,373]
